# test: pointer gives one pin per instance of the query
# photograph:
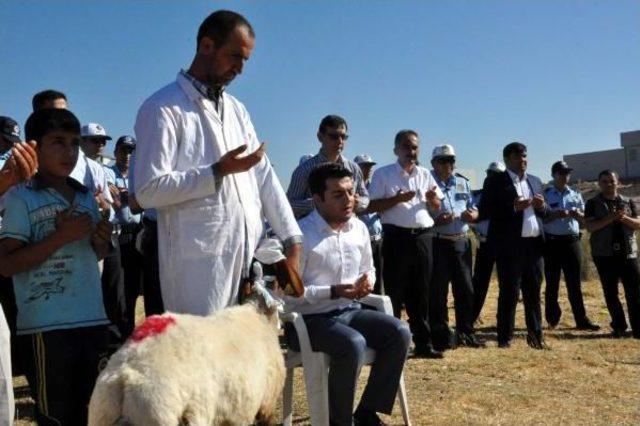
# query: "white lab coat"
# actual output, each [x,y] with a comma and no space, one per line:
[201,224]
[6,383]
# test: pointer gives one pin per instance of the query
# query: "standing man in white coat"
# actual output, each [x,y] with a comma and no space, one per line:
[200,164]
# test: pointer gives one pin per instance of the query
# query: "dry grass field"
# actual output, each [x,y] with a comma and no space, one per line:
[585,379]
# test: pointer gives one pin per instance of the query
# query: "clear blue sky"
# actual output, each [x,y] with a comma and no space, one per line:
[562,76]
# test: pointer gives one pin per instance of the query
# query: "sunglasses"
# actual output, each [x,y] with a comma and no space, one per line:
[97,141]
[446,160]
[335,136]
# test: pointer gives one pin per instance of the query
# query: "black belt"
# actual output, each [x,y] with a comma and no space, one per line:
[408,231]
[564,238]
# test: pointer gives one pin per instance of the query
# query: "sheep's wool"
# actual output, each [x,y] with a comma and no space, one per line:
[183,369]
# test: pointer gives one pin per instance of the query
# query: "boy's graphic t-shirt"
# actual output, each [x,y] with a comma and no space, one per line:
[65,290]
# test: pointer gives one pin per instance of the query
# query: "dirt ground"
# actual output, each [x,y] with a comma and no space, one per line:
[585,379]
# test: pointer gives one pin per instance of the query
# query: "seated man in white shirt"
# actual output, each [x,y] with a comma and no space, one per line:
[337,269]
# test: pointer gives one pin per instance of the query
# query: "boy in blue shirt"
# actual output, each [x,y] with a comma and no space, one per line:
[52,237]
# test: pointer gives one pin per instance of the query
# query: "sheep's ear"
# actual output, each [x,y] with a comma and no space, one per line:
[247,289]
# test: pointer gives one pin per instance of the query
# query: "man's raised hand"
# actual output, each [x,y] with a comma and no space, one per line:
[538,201]
[22,164]
[522,204]
[232,162]
[432,199]
[404,196]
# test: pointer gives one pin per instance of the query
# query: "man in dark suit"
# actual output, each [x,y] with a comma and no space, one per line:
[513,201]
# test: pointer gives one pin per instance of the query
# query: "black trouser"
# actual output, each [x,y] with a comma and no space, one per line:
[113,289]
[132,268]
[408,265]
[151,270]
[612,270]
[451,263]
[61,368]
[376,252]
[563,253]
[482,270]
[519,268]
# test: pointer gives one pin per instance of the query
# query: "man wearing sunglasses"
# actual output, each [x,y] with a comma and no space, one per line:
[332,135]
[452,253]
[96,176]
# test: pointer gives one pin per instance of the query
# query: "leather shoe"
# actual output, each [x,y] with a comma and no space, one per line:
[588,325]
[536,341]
[469,340]
[426,352]
[504,344]
[364,417]
[618,333]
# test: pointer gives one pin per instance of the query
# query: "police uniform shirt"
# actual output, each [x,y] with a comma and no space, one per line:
[569,199]
[123,215]
[457,199]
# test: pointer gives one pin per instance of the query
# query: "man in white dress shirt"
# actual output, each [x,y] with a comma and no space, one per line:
[337,269]
[403,193]
[192,167]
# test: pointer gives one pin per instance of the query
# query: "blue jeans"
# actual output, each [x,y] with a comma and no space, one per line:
[345,335]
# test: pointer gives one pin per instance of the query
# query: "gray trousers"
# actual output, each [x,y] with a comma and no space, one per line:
[345,335]
[6,384]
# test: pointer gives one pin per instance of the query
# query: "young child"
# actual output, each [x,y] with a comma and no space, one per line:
[52,237]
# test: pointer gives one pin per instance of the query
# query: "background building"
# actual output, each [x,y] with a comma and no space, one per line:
[625,160]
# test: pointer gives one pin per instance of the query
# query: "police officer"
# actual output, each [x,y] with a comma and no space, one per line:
[372,220]
[563,251]
[485,254]
[452,252]
[129,224]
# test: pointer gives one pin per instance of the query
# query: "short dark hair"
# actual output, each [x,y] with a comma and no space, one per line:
[608,172]
[514,148]
[220,24]
[332,122]
[41,98]
[402,135]
[46,120]
[319,175]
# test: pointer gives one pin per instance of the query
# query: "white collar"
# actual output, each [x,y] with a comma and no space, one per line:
[515,177]
[322,225]
[403,172]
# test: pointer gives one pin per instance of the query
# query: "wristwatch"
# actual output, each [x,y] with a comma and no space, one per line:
[334,292]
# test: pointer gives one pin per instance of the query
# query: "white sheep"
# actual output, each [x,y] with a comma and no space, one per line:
[225,369]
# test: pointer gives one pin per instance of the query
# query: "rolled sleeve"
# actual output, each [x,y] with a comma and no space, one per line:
[316,293]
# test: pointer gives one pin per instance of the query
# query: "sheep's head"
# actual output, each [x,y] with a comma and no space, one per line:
[256,293]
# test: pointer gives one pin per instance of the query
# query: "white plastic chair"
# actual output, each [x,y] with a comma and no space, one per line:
[316,368]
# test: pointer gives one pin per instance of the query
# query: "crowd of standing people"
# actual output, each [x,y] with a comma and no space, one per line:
[179,215]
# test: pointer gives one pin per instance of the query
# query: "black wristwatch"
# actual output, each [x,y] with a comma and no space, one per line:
[334,292]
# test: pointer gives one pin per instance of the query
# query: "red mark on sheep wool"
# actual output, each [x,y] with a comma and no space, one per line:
[155,324]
